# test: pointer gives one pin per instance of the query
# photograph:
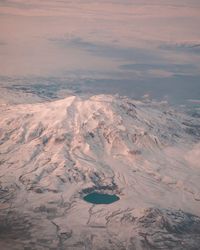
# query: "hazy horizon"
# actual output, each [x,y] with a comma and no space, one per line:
[142,47]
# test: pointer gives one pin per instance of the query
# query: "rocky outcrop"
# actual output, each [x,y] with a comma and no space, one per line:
[51,154]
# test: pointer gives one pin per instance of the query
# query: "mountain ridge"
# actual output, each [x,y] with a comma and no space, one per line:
[53,153]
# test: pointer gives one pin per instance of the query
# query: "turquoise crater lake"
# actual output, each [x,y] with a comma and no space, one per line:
[98,198]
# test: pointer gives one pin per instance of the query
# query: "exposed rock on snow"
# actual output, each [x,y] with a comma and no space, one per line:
[51,153]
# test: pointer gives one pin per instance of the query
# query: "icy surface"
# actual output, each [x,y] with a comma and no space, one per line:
[52,154]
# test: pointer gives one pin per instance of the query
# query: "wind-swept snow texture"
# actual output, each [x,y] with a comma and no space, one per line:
[52,154]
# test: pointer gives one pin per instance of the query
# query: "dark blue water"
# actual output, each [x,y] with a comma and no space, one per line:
[98,198]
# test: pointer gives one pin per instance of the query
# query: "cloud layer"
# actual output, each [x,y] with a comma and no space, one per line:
[135,40]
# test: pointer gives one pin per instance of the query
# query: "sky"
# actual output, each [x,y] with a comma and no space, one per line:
[138,40]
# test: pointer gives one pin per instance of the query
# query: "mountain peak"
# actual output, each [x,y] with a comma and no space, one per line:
[54,152]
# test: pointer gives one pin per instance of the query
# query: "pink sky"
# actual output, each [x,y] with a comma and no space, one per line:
[28,29]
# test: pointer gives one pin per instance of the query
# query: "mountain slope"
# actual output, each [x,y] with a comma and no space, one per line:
[52,153]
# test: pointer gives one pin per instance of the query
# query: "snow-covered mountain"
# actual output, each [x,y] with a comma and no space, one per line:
[53,153]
